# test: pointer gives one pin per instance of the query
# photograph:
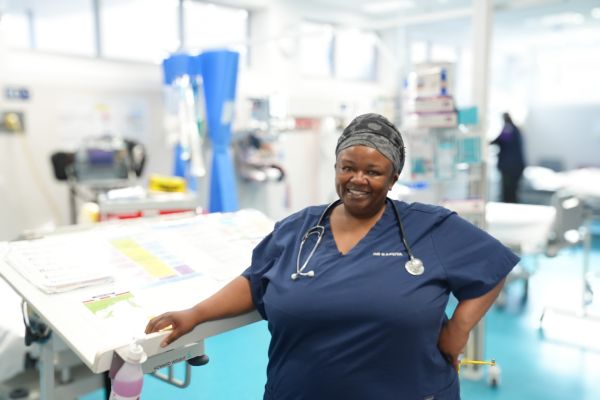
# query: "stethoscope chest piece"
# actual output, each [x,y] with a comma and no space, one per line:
[414,266]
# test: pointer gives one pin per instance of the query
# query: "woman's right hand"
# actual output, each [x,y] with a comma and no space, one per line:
[233,299]
[180,323]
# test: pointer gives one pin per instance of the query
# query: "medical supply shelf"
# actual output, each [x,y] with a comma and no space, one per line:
[445,160]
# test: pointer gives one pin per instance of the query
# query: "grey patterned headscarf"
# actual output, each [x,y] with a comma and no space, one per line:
[375,131]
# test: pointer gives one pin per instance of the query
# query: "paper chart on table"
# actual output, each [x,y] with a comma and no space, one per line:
[218,246]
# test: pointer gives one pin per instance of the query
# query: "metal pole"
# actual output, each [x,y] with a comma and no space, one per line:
[46,370]
[587,248]
[482,41]
[97,29]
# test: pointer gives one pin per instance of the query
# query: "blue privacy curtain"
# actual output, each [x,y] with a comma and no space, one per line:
[219,73]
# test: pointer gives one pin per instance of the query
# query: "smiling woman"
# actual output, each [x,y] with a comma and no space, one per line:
[366,320]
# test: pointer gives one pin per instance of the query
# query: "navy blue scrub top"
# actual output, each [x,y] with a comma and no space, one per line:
[363,328]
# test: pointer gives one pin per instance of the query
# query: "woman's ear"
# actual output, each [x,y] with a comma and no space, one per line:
[394,180]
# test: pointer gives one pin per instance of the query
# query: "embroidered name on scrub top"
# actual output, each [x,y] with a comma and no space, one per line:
[387,254]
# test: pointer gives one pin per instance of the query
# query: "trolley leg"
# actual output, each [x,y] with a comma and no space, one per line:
[46,370]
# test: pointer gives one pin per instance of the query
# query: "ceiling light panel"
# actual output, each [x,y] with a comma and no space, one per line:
[388,6]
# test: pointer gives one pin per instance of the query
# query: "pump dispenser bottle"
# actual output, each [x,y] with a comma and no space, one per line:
[127,383]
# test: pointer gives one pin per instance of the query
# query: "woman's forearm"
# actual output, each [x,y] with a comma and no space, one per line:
[455,333]
[233,299]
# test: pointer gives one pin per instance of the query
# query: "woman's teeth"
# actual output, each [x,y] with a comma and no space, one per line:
[357,192]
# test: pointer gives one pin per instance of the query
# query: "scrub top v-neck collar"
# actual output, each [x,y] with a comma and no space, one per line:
[329,239]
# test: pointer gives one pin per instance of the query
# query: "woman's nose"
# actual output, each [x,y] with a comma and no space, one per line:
[359,177]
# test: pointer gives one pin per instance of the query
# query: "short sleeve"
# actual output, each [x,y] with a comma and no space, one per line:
[264,256]
[474,261]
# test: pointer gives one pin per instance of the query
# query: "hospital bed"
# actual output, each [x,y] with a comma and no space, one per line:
[152,265]
[536,229]
[539,229]
[540,184]
[525,229]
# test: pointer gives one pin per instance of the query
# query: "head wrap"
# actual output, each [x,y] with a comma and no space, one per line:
[375,131]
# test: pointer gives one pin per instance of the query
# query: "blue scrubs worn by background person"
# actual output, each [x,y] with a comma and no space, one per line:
[355,292]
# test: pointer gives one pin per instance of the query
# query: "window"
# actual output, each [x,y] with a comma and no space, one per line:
[66,27]
[443,53]
[209,26]
[325,51]
[15,30]
[418,52]
[139,30]
[143,30]
[355,54]
[316,47]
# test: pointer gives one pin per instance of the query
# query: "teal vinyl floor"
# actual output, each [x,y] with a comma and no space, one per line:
[562,364]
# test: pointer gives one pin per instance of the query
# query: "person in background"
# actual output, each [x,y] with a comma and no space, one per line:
[511,160]
[358,310]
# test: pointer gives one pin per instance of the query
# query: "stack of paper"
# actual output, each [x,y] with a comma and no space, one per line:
[59,264]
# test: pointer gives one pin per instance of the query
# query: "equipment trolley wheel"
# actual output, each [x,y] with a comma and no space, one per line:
[494,373]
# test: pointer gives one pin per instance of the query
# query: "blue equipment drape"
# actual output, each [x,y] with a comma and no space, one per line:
[219,71]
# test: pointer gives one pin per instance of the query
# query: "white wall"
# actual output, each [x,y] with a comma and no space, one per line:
[70,98]
[567,133]
[548,81]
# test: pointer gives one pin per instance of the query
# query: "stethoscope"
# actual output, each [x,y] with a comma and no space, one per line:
[414,266]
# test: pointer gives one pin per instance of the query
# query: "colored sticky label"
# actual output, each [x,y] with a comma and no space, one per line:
[154,266]
[104,303]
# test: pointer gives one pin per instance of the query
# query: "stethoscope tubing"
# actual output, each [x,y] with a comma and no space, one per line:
[318,230]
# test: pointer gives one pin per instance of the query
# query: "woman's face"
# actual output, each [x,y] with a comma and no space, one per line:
[363,177]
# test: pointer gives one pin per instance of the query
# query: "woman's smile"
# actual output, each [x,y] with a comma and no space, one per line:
[357,193]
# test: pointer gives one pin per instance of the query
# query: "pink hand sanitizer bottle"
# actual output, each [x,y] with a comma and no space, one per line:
[128,381]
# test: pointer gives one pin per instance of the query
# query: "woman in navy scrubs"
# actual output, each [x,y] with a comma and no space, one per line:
[357,319]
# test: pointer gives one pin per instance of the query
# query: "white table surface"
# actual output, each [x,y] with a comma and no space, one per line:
[95,339]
